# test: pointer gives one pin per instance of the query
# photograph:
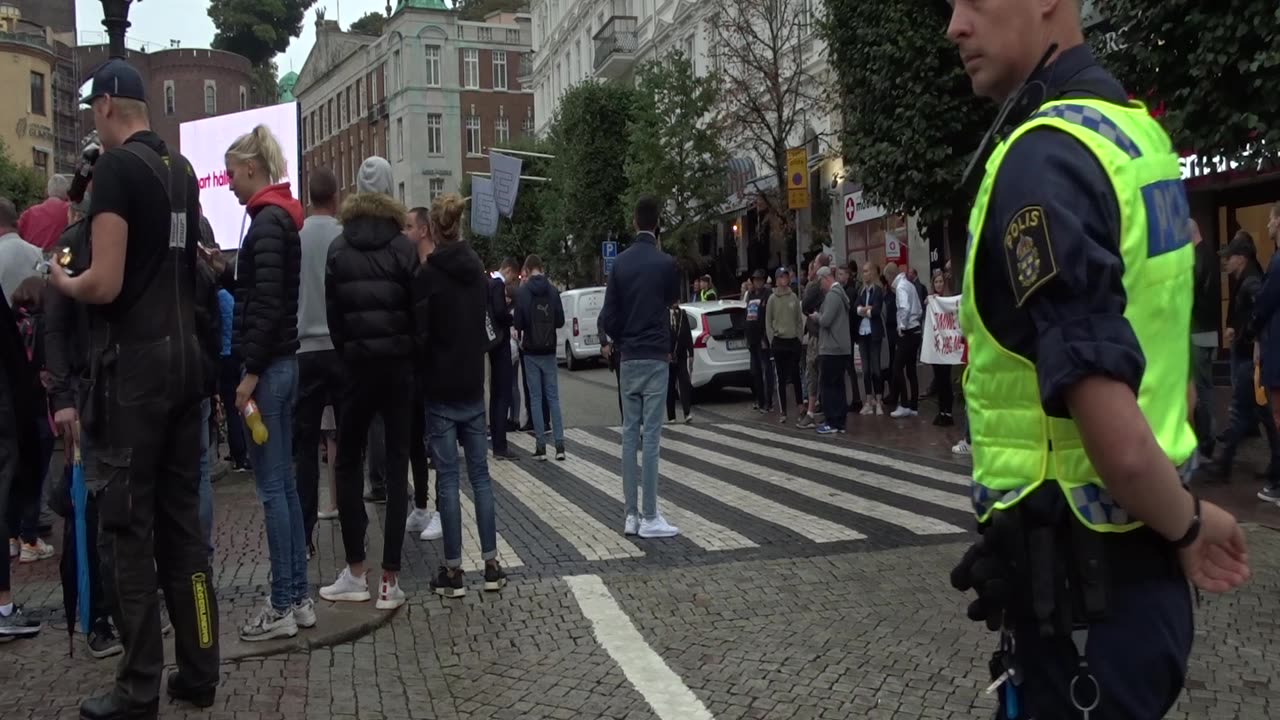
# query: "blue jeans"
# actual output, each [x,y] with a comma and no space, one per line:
[544,386]
[206,479]
[447,423]
[277,485]
[644,390]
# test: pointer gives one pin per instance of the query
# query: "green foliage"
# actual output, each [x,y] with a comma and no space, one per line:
[477,9]
[370,24]
[676,150]
[264,88]
[257,29]
[911,121]
[1213,66]
[20,183]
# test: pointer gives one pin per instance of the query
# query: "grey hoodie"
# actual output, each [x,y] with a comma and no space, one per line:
[833,323]
[318,233]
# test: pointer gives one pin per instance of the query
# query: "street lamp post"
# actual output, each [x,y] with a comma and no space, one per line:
[115,18]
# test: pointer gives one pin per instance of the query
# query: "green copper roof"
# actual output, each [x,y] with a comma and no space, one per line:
[422,4]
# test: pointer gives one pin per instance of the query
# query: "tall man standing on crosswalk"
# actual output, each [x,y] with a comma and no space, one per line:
[643,284]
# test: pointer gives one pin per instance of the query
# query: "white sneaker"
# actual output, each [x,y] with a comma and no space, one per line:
[304,613]
[631,526]
[902,412]
[962,448]
[417,521]
[868,409]
[39,550]
[433,530]
[347,588]
[688,419]
[270,624]
[15,549]
[327,515]
[390,596]
[879,408]
[658,527]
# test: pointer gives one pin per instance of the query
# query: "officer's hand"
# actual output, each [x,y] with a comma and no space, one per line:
[606,351]
[1218,561]
[982,570]
[68,422]
[1229,336]
[244,391]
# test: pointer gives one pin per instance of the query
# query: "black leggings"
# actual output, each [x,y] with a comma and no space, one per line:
[942,383]
[786,355]
[872,379]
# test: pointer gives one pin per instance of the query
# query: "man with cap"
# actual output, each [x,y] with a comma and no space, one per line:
[142,408]
[1241,260]
[1077,313]
[368,296]
[757,298]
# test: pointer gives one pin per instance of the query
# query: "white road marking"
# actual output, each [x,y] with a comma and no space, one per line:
[657,683]
[811,526]
[915,522]
[699,530]
[838,449]
[471,557]
[906,488]
[588,536]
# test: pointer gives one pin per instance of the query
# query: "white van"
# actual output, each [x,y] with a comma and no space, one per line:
[579,340]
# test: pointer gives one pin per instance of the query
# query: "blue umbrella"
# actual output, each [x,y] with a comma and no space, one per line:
[79,501]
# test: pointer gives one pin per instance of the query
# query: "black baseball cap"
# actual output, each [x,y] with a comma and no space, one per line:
[115,78]
[759,274]
[1241,244]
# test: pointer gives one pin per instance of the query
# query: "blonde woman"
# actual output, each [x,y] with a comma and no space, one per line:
[265,337]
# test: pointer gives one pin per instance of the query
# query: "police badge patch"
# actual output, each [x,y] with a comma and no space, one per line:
[1028,252]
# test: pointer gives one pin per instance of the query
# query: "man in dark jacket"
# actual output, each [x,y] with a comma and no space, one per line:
[1266,322]
[810,302]
[369,299]
[500,370]
[1245,412]
[1204,340]
[758,344]
[539,313]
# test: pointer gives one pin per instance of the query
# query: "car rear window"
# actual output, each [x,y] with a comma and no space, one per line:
[725,324]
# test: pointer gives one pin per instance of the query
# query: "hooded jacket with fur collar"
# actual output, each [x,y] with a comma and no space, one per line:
[369,281]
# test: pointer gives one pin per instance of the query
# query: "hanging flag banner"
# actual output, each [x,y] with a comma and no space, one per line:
[484,210]
[943,342]
[505,172]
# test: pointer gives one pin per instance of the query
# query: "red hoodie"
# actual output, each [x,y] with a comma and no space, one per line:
[280,195]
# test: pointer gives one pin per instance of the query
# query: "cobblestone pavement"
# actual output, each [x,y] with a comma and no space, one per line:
[810,582]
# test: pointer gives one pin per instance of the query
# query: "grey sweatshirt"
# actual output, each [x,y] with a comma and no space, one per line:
[318,232]
[833,323]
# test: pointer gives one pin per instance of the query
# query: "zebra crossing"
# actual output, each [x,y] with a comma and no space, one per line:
[736,492]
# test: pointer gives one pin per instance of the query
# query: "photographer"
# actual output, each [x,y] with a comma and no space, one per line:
[143,409]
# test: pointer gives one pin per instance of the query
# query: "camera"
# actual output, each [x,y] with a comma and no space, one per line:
[89,154]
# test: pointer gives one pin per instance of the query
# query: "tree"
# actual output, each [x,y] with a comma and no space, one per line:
[1211,67]
[370,24]
[257,29]
[911,121]
[19,183]
[676,150]
[477,9]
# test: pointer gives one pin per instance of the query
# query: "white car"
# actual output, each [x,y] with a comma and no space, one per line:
[720,357]
[579,339]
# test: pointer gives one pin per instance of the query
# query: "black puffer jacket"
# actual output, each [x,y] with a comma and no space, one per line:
[452,300]
[368,281]
[266,273]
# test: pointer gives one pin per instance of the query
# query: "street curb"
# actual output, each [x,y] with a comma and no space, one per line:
[306,643]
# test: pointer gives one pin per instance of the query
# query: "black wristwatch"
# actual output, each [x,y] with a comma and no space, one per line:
[1192,532]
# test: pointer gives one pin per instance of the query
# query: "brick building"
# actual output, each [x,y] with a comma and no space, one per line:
[431,95]
[57,15]
[183,84]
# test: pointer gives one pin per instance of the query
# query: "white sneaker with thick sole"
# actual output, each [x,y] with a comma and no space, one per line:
[327,514]
[417,521]
[631,526]
[37,551]
[390,596]
[433,530]
[961,448]
[270,624]
[347,588]
[902,412]
[658,527]
[304,613]
[868,409]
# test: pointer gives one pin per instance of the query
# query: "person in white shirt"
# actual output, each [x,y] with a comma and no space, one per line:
[910,314]
[18,258]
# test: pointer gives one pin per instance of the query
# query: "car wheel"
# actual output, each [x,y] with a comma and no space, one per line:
[570,362]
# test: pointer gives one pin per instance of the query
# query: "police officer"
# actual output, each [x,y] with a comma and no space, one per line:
[143,412]
[1077,312]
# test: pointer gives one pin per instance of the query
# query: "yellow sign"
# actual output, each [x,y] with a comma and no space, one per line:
[797,178]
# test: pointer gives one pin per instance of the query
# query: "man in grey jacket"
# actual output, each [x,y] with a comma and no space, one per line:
[833,352]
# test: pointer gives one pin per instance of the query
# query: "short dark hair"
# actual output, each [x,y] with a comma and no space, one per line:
[322,186]
[421,215]
[647,214]
[8,213]
[533,262]
[509,263]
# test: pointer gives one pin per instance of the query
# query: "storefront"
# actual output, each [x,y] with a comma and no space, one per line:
[873,235]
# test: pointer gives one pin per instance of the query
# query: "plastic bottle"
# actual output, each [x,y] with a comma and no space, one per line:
[1259,392]
[253,419]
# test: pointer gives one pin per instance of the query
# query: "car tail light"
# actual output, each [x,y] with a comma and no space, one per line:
[701,340]
[575,327]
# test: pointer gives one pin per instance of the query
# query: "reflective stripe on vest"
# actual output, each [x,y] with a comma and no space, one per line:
[1016,446]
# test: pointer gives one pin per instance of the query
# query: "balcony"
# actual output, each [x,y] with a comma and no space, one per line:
[616,44]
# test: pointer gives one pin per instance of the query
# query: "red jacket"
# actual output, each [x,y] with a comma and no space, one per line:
[42,225]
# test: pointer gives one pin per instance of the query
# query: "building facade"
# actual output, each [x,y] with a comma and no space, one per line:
[33,125]
[183,84]
[57,15]
[432,95]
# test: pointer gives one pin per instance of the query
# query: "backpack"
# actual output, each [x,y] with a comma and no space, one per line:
[541,336]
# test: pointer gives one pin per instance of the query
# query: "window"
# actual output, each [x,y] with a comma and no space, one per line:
[435,134]
[526,127]
[359,99]
[400,137]
[210,97]
[306,124]
[499,70]
[346,108]
[342,170]
[433,66]
[435,188]
[244,98]
[355,165]
[501,131]
[40,160]
[473,135]
[471,68]
[395,61]
[513,37]
[328,120]
[37,94]
[577,50]
[401,193]
[484,33]
[688,51]
[170,99]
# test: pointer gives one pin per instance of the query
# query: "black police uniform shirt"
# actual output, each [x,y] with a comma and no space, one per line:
[124,185]
[1069,318]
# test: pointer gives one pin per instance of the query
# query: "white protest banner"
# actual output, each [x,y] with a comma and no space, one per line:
[505,172]
[484,212]
[943,342]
